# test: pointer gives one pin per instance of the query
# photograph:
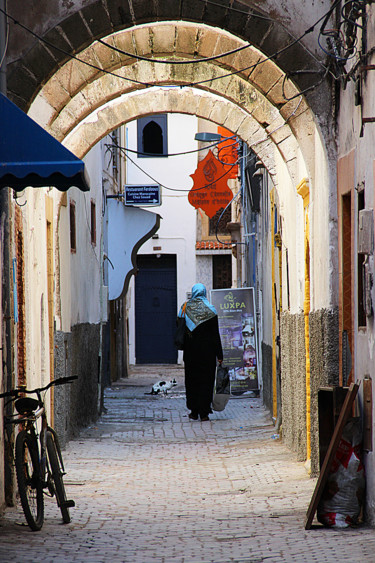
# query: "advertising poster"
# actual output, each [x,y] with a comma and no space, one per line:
[236,312]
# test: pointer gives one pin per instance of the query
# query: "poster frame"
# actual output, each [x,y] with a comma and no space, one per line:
[251,290]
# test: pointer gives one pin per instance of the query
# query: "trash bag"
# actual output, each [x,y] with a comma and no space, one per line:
[342,498]
[179,336]
[221,394]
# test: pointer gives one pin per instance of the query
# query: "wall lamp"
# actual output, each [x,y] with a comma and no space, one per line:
[259,167]
[208,137]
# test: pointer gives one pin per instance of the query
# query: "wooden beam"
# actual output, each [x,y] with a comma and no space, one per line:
[335,440]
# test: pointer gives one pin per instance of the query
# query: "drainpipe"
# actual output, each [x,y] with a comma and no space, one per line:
[6,368]
[6,318]
[304,191]
[3,46]
[274,366]
[278,244]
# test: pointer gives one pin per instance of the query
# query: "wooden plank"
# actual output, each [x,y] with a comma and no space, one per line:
[367,414]
[344,415]
[330,402]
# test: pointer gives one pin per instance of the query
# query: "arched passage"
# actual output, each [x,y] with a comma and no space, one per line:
[247,93]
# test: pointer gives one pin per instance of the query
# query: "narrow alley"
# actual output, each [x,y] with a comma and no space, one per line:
[151,486]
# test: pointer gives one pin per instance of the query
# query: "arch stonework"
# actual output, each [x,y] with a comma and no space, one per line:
[73,26]
[79,105]
[202,104]
[76,91]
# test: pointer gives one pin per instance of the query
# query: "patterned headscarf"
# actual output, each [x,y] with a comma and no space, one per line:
[198,309]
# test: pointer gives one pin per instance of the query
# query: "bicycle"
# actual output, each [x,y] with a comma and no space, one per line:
[38,460]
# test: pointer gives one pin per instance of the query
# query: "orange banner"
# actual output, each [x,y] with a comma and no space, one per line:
[210,191]
[227,151]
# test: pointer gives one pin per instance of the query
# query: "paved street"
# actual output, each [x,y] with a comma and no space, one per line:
[152,486]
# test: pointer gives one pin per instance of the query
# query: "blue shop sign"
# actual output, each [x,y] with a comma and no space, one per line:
[143,196]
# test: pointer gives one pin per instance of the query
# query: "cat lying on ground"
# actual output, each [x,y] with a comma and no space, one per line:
[162,387]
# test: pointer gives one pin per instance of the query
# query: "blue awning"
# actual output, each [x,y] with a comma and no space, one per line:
[29,156]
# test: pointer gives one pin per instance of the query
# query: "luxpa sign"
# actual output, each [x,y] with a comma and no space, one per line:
[237,325]
[230,302]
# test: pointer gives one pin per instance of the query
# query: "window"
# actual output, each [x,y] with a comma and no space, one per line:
[361,272]
[222,227]
[152,138]
[72,217]
[115,154]
[93,222]
[222,271]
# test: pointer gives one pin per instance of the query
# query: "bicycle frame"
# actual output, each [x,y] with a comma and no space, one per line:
[38,458]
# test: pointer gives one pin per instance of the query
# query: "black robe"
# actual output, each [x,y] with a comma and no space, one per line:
[202,347]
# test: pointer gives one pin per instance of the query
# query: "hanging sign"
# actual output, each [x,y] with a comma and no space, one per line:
[227,151]
[143,196]
[210,191]
[237,325]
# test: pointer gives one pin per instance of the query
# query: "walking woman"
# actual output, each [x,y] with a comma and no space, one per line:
[202,348]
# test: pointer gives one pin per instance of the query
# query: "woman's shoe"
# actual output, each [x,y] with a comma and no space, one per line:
[193,416]
[204,418]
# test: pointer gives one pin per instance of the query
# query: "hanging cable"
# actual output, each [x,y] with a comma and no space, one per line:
[308,89]
[256,143]
[2,59]
[173,61]
[146,84]
[139,153]
[221,216]
[122,149]
[341,45]
[70,55]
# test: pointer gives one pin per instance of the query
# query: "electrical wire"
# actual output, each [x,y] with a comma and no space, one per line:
[139,153]
[348,19]
[308,89]
[250,67]
[70,55]
[342,46]
[173,61]
[6,42]
[146,84]
[174,189]
[267,18]
[230,166]
[221,216]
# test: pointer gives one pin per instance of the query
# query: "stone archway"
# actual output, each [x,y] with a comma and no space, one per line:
[68,28]
[76,91]
[247,93]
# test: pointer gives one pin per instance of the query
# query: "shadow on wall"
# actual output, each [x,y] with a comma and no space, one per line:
[76,405]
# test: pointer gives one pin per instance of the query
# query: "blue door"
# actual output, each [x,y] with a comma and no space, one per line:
[155,309]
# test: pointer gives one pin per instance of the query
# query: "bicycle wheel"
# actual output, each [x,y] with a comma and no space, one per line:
[29,481]
[57,475]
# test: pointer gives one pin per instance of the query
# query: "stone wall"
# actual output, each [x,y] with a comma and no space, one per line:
[77,404]
[293,387]
[267,375]
[324,367]
[324,371]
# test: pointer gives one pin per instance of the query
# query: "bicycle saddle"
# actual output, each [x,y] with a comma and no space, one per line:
[26,405]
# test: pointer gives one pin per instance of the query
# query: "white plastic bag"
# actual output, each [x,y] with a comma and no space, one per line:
[341,501]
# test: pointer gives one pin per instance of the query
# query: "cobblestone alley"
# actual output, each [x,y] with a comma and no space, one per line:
[152,486]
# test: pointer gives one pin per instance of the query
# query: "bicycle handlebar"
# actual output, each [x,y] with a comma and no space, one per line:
[59,381]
